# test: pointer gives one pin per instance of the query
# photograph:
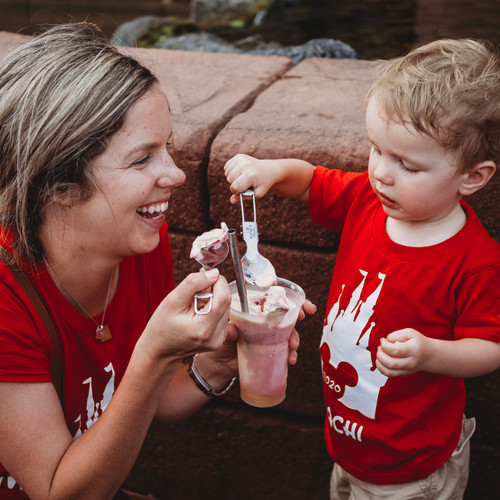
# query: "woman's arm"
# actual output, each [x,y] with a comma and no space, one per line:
[183,398]
[35,444]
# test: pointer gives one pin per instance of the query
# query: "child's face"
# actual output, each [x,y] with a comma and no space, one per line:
[414,177]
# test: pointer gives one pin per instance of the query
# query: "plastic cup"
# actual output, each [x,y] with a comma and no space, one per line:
[263,346]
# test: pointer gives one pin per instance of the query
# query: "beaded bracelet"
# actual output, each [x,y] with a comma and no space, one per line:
[202,384]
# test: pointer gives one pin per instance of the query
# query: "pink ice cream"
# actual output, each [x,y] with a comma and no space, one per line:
[272,300]
[263,340]
[267,277]
[209,247]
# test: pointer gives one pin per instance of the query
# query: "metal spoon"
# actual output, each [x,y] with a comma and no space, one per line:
[256,268]
[209,254]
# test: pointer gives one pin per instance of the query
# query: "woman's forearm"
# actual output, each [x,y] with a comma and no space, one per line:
[183,398]
[104,455]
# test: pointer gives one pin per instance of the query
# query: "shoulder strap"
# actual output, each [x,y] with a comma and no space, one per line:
[55,366]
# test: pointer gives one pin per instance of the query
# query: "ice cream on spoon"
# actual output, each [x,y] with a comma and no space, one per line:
[209,250]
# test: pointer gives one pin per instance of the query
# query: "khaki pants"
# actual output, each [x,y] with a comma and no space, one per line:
[447,483]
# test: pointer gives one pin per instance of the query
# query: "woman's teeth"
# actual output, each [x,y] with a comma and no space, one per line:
[151,209]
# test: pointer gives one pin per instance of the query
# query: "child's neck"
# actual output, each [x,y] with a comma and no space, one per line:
[426,233]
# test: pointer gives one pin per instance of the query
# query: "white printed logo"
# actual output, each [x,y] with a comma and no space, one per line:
[348,368]
[95,408]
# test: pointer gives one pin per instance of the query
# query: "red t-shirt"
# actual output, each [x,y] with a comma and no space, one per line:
[399,429]
[92,370]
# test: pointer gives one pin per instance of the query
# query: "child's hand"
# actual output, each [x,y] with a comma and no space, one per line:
[403,352]
[244,172]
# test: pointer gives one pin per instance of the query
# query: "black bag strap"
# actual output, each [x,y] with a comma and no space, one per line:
[22,280]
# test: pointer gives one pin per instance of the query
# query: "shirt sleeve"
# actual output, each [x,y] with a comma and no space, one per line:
[478,300]
[24,352]
[331,194]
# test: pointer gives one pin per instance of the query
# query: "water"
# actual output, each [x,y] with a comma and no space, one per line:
[374,28]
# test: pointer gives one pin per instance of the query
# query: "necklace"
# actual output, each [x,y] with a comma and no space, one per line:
[102,332]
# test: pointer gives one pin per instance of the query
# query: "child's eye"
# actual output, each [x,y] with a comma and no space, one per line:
[375,150]
[407,169]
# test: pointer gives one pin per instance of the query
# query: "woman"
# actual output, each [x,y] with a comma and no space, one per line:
[85,180]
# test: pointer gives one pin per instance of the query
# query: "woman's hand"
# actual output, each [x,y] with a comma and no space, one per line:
[176,330]
[308,308]
[225,358]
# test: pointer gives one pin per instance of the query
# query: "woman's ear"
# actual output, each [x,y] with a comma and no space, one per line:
[477,177]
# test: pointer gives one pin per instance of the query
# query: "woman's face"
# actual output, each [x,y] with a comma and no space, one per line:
[136,175]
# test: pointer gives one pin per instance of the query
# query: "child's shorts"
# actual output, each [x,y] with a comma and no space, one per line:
[446,483]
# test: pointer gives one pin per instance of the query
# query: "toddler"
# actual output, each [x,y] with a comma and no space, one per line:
[414,300]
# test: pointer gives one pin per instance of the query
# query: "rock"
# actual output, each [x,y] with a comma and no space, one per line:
[205,42]
[318,47]
[128,33]
[223,10]
[200,42]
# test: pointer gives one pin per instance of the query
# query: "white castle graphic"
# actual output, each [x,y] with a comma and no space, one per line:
[95,408]
[347,334]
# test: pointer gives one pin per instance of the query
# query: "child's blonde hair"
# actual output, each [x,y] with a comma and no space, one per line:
[449,90]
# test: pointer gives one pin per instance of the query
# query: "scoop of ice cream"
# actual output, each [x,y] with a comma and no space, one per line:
[273,299]
[267,277]
[210,247]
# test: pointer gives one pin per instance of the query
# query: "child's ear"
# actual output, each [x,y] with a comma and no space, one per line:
[477,177]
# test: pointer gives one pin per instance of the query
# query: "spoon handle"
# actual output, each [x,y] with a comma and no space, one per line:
[240,281]
[249,227]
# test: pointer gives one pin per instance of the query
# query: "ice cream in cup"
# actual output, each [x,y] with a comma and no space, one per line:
[263,341]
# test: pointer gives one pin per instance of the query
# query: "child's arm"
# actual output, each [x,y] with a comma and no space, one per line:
[406,351]
[288,177]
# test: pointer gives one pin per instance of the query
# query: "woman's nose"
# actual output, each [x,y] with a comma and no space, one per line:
[171,175]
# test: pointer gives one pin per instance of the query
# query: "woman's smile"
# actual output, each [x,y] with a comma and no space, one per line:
[153,210]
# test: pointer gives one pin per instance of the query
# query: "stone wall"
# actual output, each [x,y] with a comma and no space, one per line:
[223,104]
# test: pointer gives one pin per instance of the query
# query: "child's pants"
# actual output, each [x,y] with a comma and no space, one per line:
[446,483]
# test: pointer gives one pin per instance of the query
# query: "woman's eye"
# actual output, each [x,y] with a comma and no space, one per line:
[142,161]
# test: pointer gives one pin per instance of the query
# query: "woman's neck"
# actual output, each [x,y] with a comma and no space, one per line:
[81,275]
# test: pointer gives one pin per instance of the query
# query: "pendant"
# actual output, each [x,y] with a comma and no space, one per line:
[103,333]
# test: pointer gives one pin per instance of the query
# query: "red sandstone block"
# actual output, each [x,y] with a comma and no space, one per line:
[8,41]
[205,90]
[315,112]
[227,453]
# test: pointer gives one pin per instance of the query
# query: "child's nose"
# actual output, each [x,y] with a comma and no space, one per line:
[382,171]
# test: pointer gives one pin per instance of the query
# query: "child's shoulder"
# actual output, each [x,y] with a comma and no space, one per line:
[485,249]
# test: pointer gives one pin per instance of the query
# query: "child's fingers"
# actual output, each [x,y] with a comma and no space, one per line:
[394,349]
